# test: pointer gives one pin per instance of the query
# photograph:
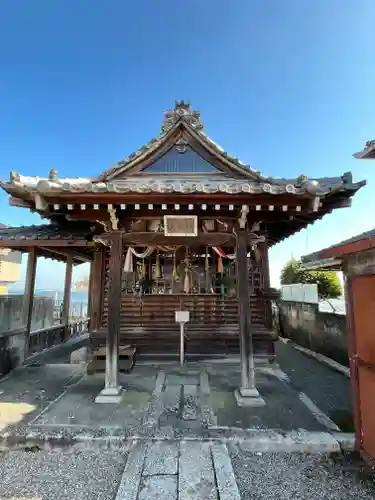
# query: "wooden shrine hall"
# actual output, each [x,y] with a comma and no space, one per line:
[179,225]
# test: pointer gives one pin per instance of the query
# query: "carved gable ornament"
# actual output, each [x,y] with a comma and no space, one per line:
[182,111]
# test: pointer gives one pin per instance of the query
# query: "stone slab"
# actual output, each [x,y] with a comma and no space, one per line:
[196,473]
[159,383]
[172,398]
[161,458]
[226,482]
[296,441]
[154,410]
[158,488]
[111,395]
[245,401]
[204,383]
[346,440]
[182,379]
[131,477]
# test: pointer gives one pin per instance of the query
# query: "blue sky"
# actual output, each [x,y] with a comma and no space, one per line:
[287,86]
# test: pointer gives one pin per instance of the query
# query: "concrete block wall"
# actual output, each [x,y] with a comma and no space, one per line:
[322,332]
[12,346]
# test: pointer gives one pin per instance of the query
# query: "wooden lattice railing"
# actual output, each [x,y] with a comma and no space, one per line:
[55,335]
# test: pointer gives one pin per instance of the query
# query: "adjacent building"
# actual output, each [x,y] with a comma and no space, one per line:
[10,267]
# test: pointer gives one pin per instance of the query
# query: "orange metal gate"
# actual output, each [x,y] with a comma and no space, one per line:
[361,295]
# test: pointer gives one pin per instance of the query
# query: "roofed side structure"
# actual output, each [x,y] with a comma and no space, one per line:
[368,152]
[51,240]
[330,257]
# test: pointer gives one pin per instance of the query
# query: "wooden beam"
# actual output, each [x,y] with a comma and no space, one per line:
[41,243]
[67,293]
[28,298]
[67,253]
[215,239]
[20,202]
[202,210]
[40,203]
[182,199]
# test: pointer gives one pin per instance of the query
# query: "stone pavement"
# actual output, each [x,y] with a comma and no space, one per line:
[178,470]
[177,433]
[195,401]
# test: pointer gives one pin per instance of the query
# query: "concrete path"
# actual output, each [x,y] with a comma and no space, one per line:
[169,402]
[327,388]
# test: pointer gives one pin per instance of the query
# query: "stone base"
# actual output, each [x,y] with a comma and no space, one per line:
[248,397]
[110,395]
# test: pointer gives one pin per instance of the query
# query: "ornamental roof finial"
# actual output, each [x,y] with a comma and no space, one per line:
[52,174]
[182,111]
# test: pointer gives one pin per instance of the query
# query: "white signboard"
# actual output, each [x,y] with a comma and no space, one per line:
[300,293]
[182,316]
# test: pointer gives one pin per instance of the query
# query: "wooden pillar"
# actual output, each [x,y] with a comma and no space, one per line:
[89,292]
[95,290]
[67,293]
[266,265]
[247,394]
[28,297]
[112,390]
[266,285]
[352,351]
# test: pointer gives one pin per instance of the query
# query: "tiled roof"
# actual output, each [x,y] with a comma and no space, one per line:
[42,232]
[21,185]
[368,152]
[244,178]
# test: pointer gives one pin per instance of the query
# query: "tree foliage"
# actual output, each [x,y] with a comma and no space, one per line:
[82,284]
[329,286]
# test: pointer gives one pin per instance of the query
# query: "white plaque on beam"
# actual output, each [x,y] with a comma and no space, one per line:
[180,225]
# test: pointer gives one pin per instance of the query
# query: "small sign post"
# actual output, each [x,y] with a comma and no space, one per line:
[182,317]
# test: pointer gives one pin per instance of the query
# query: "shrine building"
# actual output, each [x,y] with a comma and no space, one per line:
[179,225]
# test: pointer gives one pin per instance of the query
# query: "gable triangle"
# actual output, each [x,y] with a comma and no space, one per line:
[181,159]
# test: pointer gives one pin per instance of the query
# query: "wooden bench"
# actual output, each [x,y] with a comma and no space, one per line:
[126,359]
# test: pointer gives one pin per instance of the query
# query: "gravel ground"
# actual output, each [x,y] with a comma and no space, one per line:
[78,475]
[284,476]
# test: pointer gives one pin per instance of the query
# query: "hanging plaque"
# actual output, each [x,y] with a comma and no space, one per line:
[180,225]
